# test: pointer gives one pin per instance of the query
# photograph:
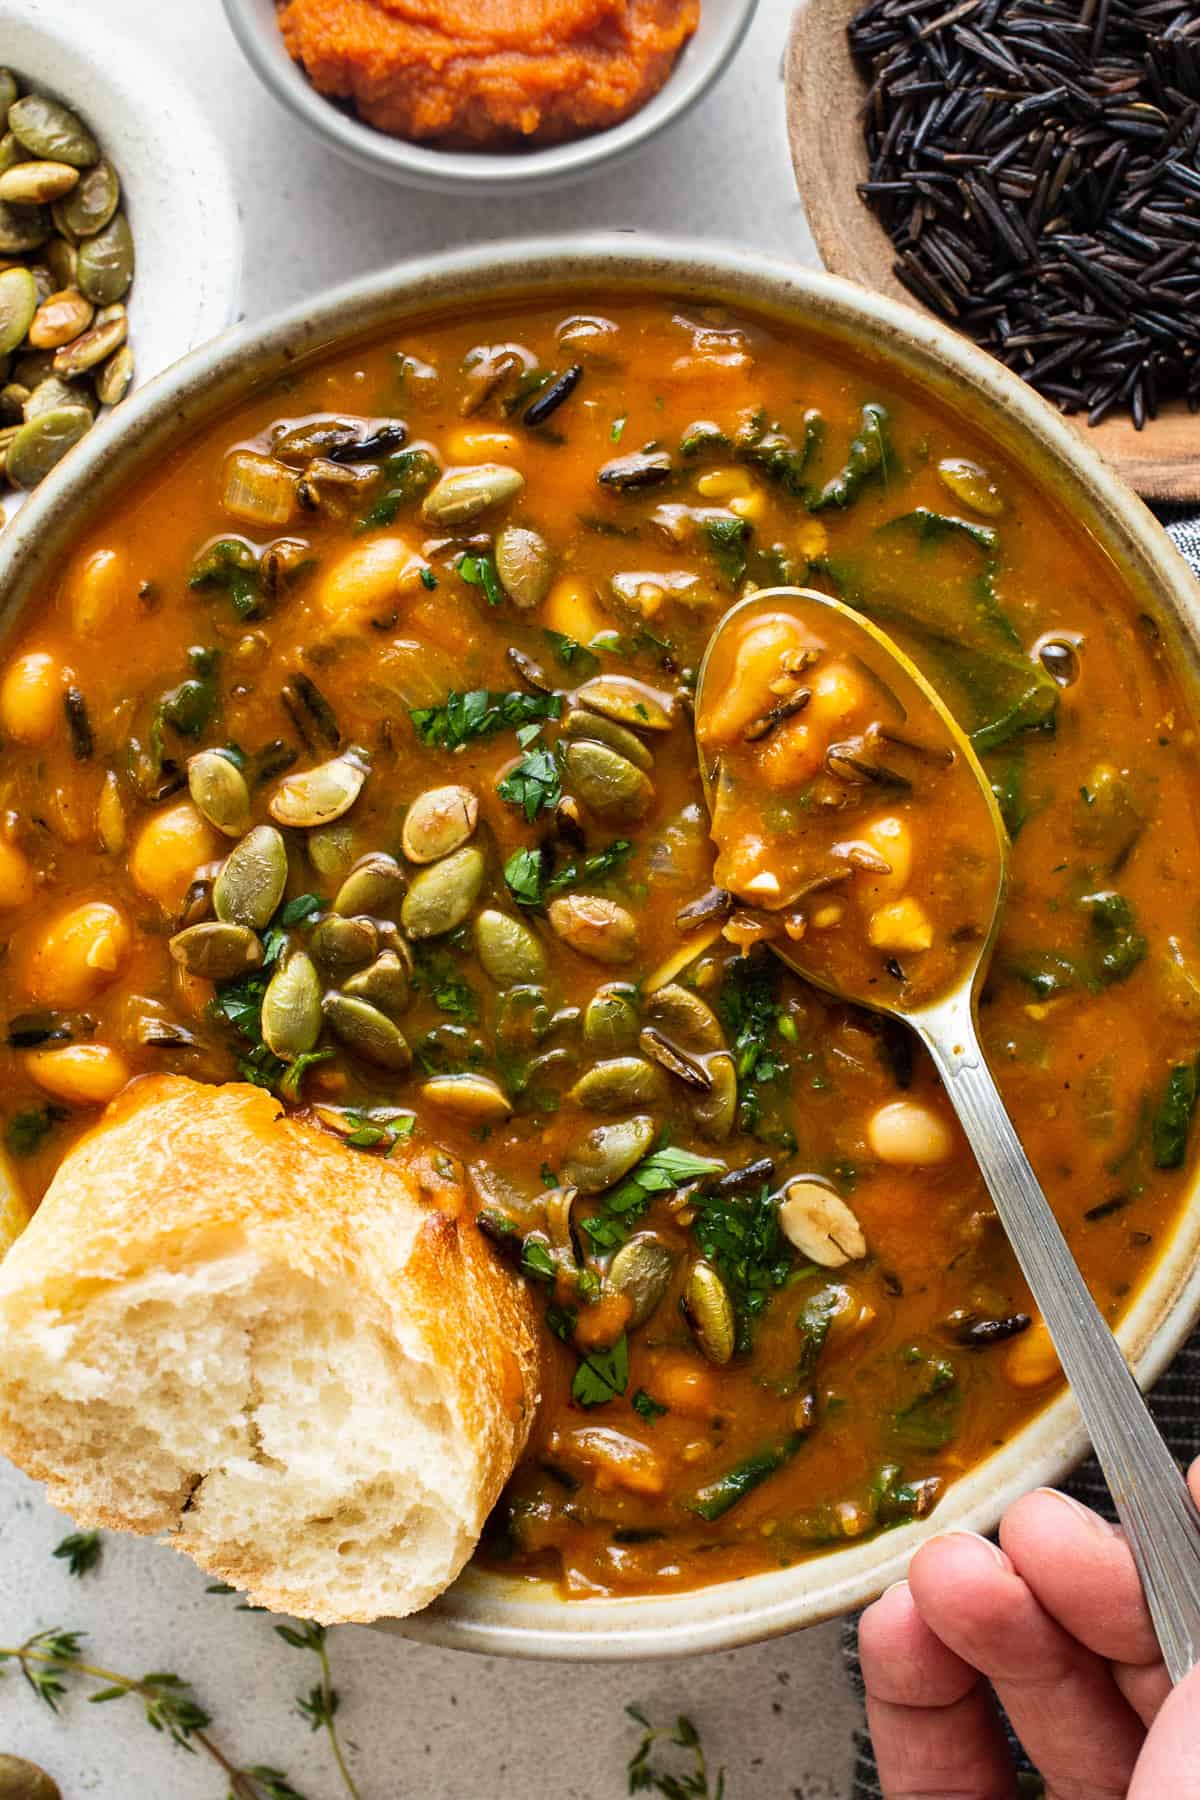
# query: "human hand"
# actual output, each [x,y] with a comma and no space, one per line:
[1055,1623]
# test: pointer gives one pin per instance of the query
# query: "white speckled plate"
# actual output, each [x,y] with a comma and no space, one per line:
[176,184]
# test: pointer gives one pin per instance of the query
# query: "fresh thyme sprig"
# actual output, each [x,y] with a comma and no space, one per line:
[80,1550]
[320,1707]
[49,1659]
[691,1784]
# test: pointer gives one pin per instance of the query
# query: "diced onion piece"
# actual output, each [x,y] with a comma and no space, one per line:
[258,490]
[902,926]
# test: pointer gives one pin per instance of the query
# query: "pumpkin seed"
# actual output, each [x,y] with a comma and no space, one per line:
[509,951]
[619,1083]
[322,794]
[218,789]
[462,494]
[340,945]
[627,702]
[11,151]
[216,950]
[685,1018]
[90,205]
[367,1032]
[594,927]
[48,129]
[58,319]
[610,1021]
[523,1019]
[608,1152]
[331,850]
[22,1780]
[22,227]
[291,1008]
[92,347]
[715,1113]
[709,1311]
[37,183]
[443,893]
[820,1224]
[475,1098]
[437,822]
[384,983]
[43,441]
[523,565]
[104,267]
[252,879]
[8,89]
[579,723]
[965,480]
[642,1270]
[608,784]
[558,1204]
[685,1068]
[18,304]
[112,381]
[59,259]
[12,406]
[374,886]
[110,815]
[53,393]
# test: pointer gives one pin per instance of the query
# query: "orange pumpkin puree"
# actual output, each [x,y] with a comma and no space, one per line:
[489,72]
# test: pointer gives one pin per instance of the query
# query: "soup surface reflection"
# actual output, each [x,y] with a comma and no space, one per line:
[352,754]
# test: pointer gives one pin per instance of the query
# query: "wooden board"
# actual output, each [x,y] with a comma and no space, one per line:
[824,101]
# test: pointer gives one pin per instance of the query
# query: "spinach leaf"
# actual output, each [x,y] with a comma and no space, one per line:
[714,1501]
[929,1418]
[408,475]
[868,459]
[780,459]
[1172,1121]
[27,1130]
[727,540]
[230,565]
[1118,946]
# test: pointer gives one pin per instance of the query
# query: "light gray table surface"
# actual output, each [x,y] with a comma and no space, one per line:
[422,1724]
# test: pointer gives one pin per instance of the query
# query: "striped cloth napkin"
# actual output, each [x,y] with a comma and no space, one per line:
[1175,1402]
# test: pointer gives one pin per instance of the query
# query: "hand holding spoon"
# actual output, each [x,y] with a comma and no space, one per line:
[824,752]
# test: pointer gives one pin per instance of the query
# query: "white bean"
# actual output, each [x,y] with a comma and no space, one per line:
[908,1134]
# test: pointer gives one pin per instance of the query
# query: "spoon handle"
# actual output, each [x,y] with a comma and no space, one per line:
[1151,1497]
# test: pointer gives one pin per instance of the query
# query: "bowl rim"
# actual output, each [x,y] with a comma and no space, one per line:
[497,172]
[503,1615]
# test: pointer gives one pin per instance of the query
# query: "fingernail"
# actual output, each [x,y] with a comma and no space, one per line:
[1085,1513]
[894,1588]
[977,1537]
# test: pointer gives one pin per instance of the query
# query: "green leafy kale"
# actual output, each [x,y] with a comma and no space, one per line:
[928,1419]
[408,474]
[190,708]
[479,713]
[714,1500]
[230,566]
[1118,947]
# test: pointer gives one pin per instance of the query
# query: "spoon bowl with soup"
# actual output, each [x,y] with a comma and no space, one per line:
[859,837]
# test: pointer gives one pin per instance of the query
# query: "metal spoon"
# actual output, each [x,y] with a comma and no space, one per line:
[1151,1497]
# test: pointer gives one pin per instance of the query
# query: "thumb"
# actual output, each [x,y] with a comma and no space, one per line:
[1170,1760]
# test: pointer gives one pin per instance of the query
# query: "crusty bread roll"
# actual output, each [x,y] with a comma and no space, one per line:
[295,1358]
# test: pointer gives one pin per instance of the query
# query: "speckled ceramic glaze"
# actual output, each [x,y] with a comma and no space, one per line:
[487,1612]
[723,24]
[175,183]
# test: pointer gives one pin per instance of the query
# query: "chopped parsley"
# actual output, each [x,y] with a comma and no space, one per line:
[571,653]
[436,973]
[480,572]
[740,1235]
[301,909]
[649,1408]
[750,1012]
[528,883]
[479,713]
[602,1374]
[661,1172]
[535,784]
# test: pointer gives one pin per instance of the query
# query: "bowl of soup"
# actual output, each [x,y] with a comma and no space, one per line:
[424,572]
